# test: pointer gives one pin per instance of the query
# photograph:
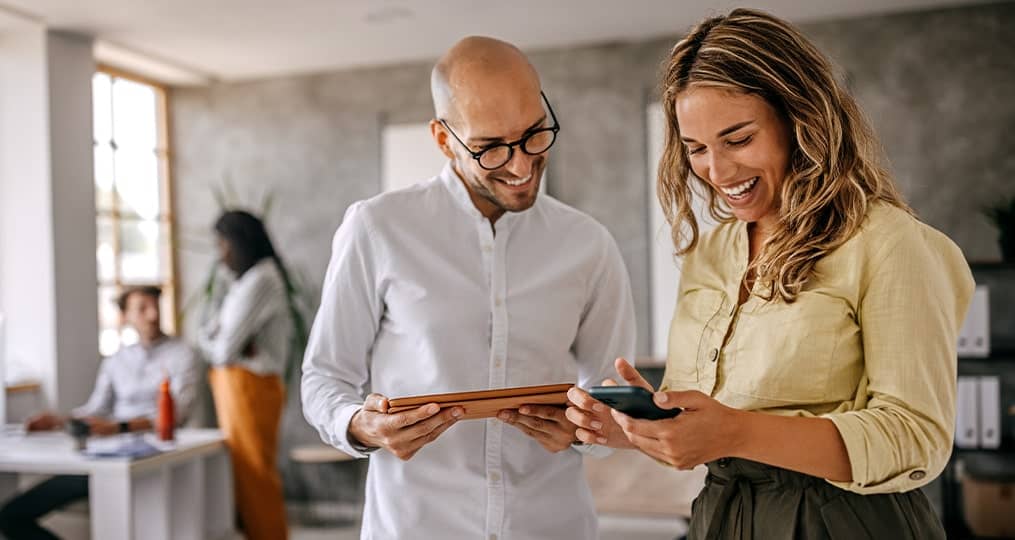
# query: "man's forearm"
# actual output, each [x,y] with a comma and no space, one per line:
[141,423]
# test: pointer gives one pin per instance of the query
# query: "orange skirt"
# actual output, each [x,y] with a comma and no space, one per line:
[249,408]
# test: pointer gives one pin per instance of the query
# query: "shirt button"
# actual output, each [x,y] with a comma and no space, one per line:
[713,355]
[917,475]
[496,363]
[487,248]
[494,477]
[493,537]
[497,301]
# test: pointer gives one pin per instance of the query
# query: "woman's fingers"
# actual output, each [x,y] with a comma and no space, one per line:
[589,437]
[582,400]
[631,375]
[582,419]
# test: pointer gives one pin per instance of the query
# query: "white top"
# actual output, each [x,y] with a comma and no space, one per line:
[127,385]
[255,309]
[421,297]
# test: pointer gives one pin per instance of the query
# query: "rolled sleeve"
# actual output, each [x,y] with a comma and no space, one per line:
[899,435]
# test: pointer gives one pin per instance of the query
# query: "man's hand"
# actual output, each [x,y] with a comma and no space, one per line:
[44,422]
[404,433]
[544,423]
[101,426]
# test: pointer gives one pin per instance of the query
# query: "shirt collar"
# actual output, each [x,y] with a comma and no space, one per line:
[456,186]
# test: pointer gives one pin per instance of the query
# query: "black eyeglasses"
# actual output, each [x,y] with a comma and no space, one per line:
[532,143]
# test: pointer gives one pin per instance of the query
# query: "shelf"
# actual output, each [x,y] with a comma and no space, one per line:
[991,265]
[23,386]
[995,357]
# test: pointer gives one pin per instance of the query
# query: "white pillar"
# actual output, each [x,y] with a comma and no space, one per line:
[47,208]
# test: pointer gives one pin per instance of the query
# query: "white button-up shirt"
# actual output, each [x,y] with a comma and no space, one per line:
[422,297]
[127,385]
[255,311]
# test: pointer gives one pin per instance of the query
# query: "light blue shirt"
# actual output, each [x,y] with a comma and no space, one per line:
[127,385]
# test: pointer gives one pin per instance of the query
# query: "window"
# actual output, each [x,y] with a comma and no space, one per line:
[132,199]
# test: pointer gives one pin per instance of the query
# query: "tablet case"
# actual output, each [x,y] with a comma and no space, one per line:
[487,403]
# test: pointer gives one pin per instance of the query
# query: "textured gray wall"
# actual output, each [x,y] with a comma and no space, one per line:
[939,87]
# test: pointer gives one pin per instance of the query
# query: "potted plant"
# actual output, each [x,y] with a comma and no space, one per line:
[1002,215]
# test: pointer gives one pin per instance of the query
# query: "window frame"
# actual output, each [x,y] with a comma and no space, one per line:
[166,216]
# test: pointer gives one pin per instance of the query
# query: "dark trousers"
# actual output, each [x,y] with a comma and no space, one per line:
[18,516]
[744,500]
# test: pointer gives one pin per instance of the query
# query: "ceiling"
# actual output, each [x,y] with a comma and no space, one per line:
[198,41]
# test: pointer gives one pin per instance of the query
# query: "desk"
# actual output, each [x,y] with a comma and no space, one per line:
[184,492]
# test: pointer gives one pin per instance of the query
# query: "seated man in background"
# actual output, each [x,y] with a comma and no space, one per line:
[124,400]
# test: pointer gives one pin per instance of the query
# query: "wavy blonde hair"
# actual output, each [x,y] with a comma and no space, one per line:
[835,166]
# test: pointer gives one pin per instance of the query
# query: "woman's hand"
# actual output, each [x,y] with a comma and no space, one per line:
[595,423]
[706,430]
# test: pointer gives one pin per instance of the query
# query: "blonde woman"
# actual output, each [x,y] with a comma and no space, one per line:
[813,345]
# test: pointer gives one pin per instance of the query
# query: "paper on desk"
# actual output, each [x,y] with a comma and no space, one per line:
[132,447]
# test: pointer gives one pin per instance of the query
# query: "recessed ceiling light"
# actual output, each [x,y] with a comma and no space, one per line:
[388,14]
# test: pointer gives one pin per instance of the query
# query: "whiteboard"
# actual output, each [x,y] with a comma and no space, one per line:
[409,156]
[663,267]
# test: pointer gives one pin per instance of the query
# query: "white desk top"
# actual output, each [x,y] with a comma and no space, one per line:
[53,452]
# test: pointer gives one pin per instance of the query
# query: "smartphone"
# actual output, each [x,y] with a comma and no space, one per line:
[633,401]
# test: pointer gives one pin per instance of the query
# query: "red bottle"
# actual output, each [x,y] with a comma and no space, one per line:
[165,423]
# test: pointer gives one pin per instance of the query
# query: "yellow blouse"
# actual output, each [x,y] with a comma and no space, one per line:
[869,343]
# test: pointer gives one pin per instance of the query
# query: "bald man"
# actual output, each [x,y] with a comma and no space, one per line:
[470,280]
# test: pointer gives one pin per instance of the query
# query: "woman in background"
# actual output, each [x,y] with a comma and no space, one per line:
[813,345]
[247,343]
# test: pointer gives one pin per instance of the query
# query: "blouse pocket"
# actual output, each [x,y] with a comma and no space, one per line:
[784,352]
[691,319]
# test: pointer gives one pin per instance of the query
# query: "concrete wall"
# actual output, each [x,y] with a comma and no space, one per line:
[938,86]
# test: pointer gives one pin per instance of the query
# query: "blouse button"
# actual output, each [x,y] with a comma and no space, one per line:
[917,475]
[713,355]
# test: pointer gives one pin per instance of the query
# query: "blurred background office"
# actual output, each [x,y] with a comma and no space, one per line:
[128,126]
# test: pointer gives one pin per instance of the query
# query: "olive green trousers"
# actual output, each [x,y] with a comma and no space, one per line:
[744,500]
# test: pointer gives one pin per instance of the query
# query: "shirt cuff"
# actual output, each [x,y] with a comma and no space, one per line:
[858,449]
[341,434]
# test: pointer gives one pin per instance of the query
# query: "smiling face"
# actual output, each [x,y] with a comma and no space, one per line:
[738,144]
[499,117]
[486,93]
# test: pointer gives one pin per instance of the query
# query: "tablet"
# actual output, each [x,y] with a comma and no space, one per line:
[487,403]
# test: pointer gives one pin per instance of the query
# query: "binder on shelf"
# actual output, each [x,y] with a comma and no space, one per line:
[967,417]
[990,411]
[974,338]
